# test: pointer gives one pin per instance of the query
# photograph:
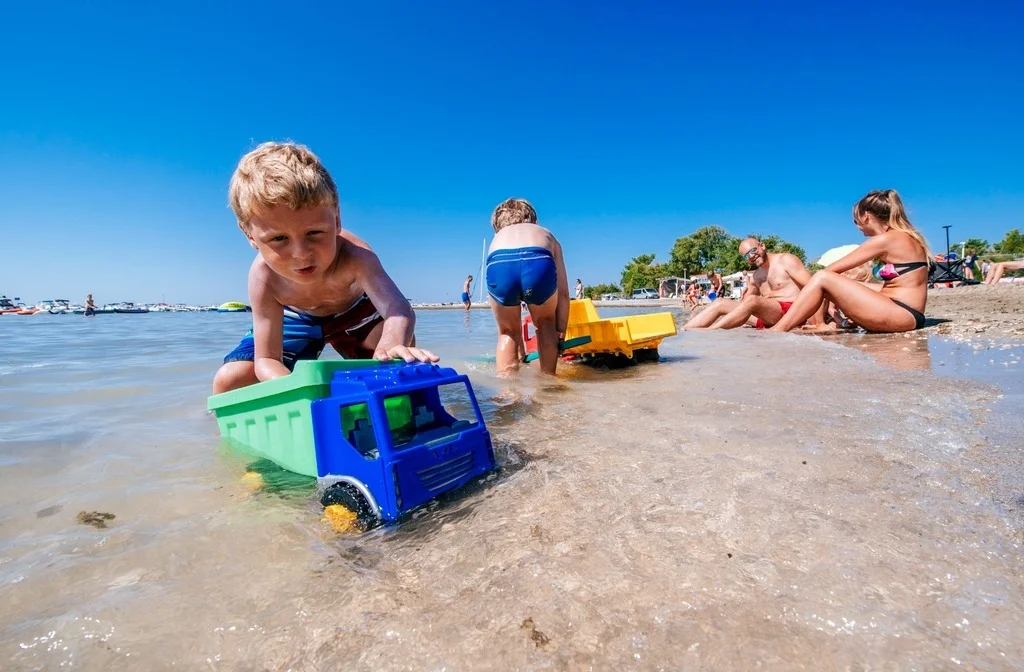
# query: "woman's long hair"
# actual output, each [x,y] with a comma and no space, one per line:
[887,206]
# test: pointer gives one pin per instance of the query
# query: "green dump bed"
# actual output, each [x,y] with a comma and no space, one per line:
[272,419]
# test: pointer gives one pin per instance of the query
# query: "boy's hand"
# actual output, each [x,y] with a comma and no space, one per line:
[410,355]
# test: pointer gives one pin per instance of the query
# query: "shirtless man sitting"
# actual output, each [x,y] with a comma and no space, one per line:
[769,294]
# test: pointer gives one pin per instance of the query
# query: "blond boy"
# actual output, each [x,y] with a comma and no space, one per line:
[525,264]
[311,282]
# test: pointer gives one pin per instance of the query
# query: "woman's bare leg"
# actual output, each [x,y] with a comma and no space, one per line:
[867,308]
[997,270]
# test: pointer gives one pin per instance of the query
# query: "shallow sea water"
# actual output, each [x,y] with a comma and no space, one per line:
[751,501]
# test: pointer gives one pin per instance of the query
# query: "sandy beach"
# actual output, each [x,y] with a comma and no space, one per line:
[994,310]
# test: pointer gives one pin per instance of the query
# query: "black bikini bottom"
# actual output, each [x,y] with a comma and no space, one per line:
[918,316]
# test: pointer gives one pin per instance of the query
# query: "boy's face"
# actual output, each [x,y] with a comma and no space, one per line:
[297,244]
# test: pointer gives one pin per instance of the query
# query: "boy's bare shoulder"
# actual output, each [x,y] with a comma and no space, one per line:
[263,282]
[354,257]
[260,273]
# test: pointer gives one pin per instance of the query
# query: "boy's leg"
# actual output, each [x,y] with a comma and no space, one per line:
[302,339]
[547,333]
[510,336]
[233,375]
[238,369]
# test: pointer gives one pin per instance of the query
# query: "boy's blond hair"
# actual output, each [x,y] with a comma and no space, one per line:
[279,173]
[513,211]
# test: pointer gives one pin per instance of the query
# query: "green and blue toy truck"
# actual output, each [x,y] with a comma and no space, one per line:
[380,438]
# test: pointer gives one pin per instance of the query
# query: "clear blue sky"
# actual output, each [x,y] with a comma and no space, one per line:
[626,124]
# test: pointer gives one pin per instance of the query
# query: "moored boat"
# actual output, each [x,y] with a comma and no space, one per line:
[126,307]
[233,307]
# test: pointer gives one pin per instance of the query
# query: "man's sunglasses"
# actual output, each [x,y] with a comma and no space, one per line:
[750,253]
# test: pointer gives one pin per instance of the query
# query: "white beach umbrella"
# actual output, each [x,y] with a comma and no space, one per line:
[836,253]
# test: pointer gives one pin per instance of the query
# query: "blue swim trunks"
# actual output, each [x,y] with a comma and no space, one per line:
[465,297]
[523,274]
[306,336]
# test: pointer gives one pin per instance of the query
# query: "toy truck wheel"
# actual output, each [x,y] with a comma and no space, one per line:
[646,355]
[348,497]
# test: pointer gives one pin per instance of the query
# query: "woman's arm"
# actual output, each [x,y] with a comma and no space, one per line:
[872,248]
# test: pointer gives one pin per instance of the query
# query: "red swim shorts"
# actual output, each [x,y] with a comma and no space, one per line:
[785,305]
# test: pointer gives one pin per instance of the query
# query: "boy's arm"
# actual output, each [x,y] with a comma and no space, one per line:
[267,330]
[397,336]
[562,311]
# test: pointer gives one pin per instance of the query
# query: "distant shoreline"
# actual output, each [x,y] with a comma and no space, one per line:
[624,303]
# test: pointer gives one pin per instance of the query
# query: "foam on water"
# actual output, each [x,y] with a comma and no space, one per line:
[751,500]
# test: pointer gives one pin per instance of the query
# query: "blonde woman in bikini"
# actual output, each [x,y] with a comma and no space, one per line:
[901,256]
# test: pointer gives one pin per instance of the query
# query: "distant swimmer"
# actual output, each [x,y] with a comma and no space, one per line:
[467,288]
[90,306]
[771,291]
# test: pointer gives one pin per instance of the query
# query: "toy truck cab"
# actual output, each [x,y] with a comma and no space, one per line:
[400,435]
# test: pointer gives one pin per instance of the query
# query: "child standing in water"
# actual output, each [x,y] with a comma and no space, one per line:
[525,264]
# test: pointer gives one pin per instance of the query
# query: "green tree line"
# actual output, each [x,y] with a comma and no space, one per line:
[709,248]
[1012,244]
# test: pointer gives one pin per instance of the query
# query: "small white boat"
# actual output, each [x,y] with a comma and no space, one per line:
[125,307]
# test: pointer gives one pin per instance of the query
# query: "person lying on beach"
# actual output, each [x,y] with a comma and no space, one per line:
[996,270]
[311,283]
[524,264]
[903,255]
[768,295]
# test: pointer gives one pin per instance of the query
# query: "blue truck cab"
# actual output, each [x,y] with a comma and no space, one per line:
[387,432]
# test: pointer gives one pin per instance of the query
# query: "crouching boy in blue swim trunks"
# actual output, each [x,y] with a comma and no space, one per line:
[311,283]
[525,264]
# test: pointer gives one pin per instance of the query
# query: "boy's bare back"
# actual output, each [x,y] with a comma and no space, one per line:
[524,235]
